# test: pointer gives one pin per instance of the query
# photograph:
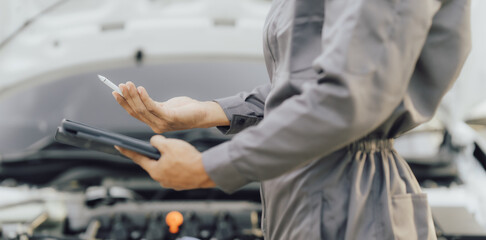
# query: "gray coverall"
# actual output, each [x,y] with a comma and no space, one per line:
[347,76]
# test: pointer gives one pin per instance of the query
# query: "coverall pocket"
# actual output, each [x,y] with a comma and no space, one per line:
[410,217]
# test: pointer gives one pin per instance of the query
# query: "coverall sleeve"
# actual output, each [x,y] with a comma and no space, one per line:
[369,51]
[244,109]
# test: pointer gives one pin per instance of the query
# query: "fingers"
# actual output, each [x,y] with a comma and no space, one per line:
[123,102]
[180,166]
[138,107]
[135,100]
[146,163]
[147,101]
[132,97]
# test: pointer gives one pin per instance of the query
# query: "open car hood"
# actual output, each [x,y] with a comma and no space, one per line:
[49,40]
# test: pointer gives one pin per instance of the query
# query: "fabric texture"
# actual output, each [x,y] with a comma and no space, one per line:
[346,77]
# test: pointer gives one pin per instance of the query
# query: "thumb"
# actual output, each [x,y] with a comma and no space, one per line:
[159,142]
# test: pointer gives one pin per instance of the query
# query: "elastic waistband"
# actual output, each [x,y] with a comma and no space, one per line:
[371,145]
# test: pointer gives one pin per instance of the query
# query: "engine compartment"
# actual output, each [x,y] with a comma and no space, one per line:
[141,210]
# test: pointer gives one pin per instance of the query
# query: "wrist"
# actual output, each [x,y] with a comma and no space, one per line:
[214,116]
[205,181]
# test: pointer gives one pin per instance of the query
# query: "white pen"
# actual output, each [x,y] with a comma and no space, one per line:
[110,84]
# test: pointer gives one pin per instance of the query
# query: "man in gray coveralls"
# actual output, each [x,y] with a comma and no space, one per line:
[346,77]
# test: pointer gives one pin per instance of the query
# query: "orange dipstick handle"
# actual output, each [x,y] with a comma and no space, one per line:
[174,220]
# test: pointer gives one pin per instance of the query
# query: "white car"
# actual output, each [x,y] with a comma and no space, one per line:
[50,55]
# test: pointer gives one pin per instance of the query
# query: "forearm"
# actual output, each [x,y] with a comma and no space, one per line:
[243,109]
[213,116]
[232,114]
[304,128]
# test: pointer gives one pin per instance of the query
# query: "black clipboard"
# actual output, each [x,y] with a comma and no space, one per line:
[83,136]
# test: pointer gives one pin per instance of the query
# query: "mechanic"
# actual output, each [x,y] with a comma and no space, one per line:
[346,77]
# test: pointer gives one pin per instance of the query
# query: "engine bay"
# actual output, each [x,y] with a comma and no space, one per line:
[140,209]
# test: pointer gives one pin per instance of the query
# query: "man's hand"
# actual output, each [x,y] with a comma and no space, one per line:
[175,114]
[180,166]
